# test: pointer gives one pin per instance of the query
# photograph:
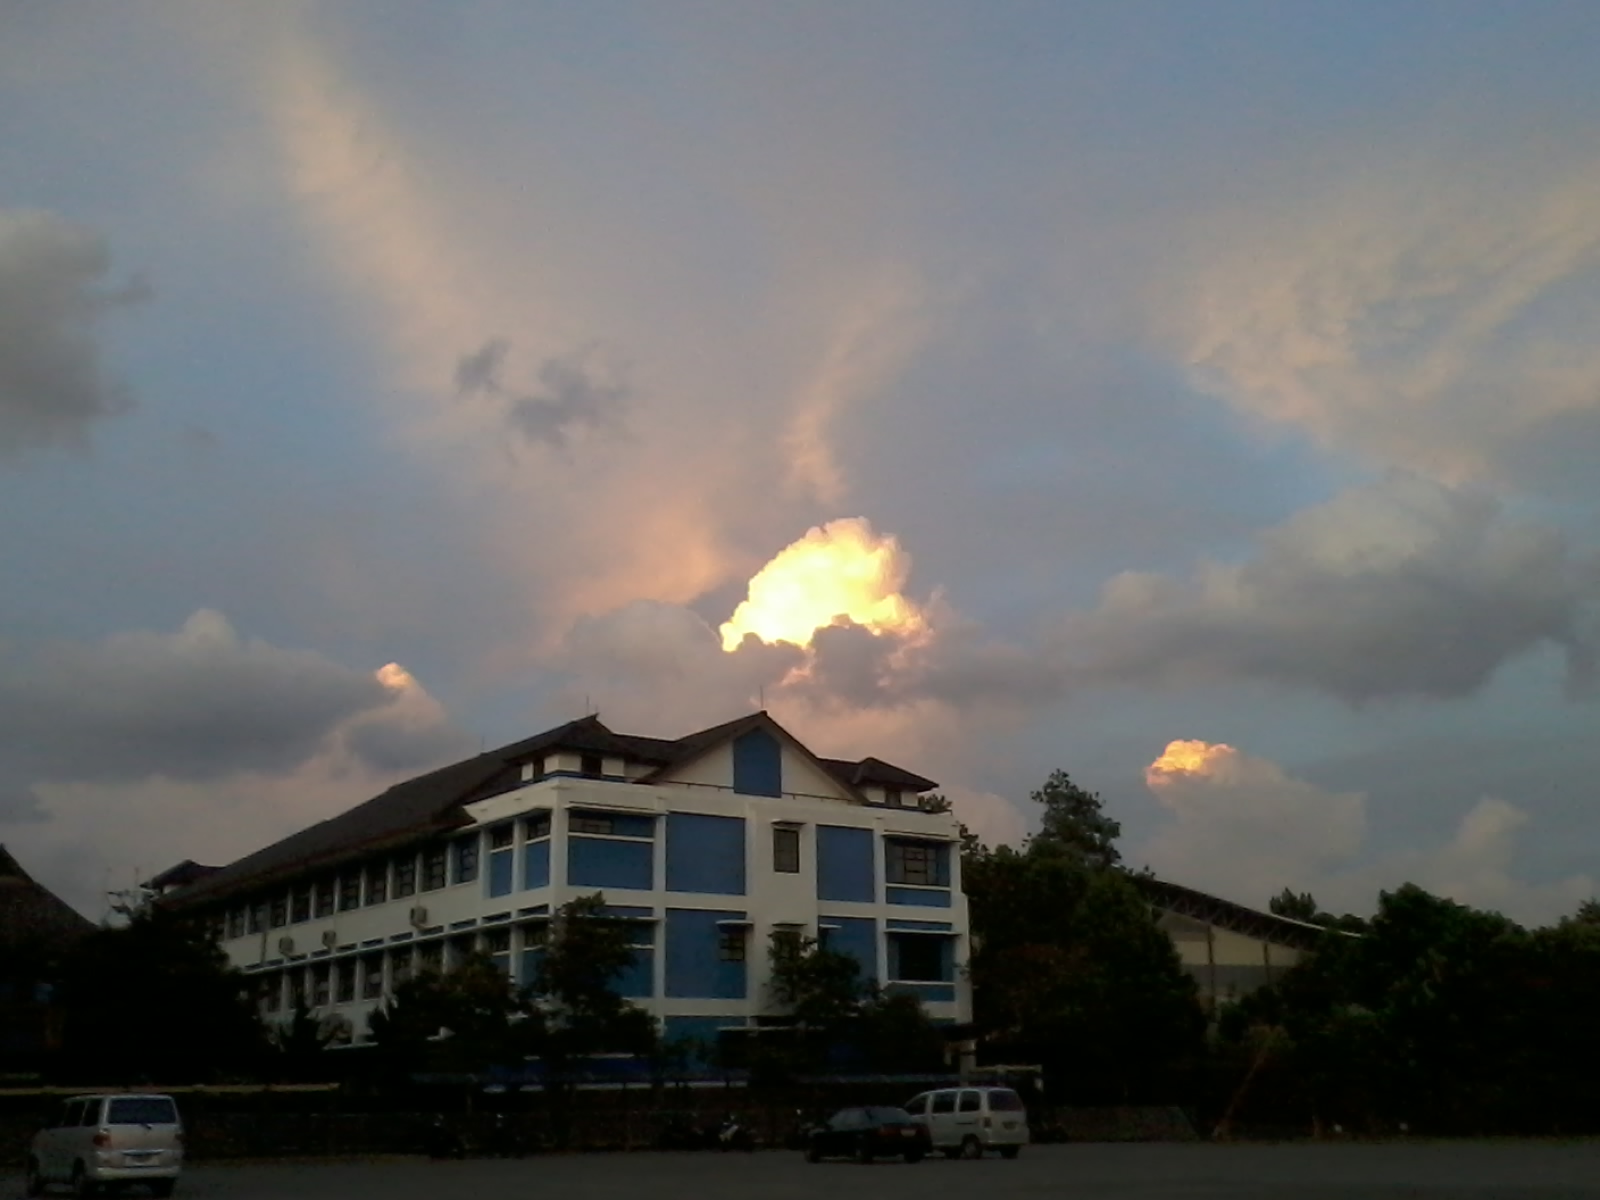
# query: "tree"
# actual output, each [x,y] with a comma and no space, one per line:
[1300,906]
[820,988]
[299,1043]
[155,1000]
[587,952]
[470,1018]
[1075,824]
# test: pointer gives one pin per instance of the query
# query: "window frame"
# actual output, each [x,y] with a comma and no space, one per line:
[435,873]
[376,874]
[324,897]
[733,944]
[911,862]
[405,877]
[466,858]
[786,849]
[350,882]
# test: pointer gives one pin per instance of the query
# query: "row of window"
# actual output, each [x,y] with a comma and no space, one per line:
[906,861]
[436,866]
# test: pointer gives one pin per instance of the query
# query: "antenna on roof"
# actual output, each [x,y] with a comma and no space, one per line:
[761,697]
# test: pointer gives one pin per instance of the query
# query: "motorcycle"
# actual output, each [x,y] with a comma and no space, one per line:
[441,1141]
[734,1134]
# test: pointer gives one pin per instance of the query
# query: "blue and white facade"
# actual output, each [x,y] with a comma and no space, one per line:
[707,854]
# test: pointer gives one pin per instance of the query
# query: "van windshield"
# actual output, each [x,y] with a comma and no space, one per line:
[141,1110]
[1004,1101]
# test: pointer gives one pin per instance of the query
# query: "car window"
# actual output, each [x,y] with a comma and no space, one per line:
[142,1110]
[91,1113]
[1004,1100]
[970,1102]
[944,1102]
[849,1118]
[887,1116]
[918,1105]
[67,1115]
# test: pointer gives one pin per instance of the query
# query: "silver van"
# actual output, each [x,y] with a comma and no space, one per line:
[965,1122]
[100,1141]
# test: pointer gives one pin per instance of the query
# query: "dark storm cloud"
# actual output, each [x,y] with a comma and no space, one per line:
[575,392]
[202,703]
[52,384]
[1402,588]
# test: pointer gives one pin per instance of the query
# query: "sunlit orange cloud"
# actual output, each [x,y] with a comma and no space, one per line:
[841,569]
[1190,758]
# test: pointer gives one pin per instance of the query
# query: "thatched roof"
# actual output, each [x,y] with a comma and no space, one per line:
[31,916]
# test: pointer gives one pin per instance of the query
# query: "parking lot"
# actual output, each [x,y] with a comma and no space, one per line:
[1419,1171]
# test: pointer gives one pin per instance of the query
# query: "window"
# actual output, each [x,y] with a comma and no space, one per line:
[943,1102]
[301,903]
[891,797]
[324,897]
[590,764]
[349,890]
[90,1114]
[1005,1100]
[970,1102]
[537,826]
[400,963]
[730,945]
[918,1105]
[236,923]
[917,863]
[467,858]
[297,988]
[497,944]
[462,948]
[501,838]
[372,977]
[920,958]
[278,915]
[320,991]
[345,985]
[589,823]
[435,862]
[431,957]
[405,876]
[786,850]
[257,919]
[139,1110]
[378,883]
[272,993]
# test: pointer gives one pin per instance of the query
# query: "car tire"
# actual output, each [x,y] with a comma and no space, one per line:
[81,1184]
[971,1147]
[913,1156]
[1010,1151]
[33,1182]
[864,1151]
[814,1152]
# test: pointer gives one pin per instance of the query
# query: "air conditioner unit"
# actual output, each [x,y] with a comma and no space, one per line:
[286,945]
[330,939]
[419,916]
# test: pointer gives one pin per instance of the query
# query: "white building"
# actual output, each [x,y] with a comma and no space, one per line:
[709,843]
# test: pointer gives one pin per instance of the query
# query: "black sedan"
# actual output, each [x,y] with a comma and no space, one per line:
[868,1133]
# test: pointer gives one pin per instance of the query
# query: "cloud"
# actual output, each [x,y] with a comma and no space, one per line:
[1244,828]
[203,704]
[53,386]
[1401,588]
[576,392]
[1431,317]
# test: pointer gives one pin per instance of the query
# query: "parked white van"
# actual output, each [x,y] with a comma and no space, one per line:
[965,1122]
[95,1141]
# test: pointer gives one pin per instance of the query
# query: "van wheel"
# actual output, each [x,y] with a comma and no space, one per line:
[863,1151]
[81,1184]
[971,1147]
[1010,1151]
[33,1183]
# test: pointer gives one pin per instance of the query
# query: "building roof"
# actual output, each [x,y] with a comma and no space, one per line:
[30,914]
[1225,914]
[435,803]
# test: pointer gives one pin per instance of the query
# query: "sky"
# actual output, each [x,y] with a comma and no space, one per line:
[1203,400]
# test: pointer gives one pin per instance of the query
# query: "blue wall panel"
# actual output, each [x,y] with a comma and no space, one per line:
[757,764]
[638,982]
[845,864]
[700,1032]
[705,854]
[598,862]
[857,937]
[921,897]
[536,864]
[500,867]
[928,993]
[695,969]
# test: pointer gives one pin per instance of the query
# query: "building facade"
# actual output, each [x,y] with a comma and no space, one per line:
[706,845]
